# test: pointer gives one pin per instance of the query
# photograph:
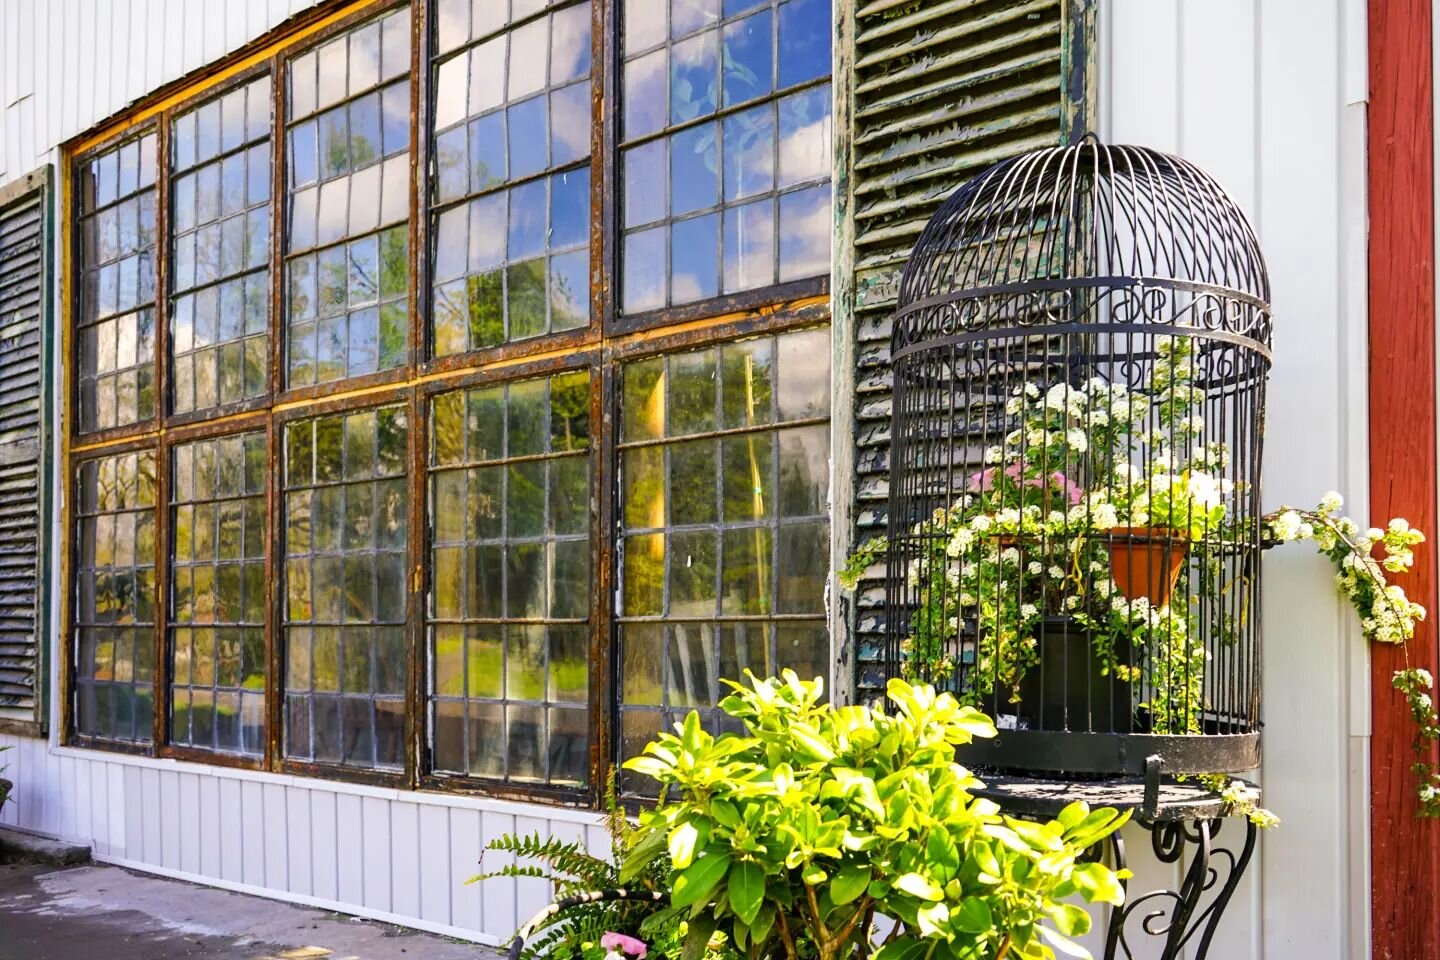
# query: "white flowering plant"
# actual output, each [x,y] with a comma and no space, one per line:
[1025,542]
[1029,539]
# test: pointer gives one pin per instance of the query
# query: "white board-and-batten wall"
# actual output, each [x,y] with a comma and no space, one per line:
[1268,95]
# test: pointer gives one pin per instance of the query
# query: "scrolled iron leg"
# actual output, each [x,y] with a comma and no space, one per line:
[1177,915]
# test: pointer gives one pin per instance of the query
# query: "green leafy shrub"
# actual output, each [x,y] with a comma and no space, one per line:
[572,869]
[791,839]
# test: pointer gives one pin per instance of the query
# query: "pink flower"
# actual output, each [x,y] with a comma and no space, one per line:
[1069,487]
[627,945]
[985,480]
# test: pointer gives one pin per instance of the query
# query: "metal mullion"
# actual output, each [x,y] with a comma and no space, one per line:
[504,186]
[278,322]
[604,163]
[504,571]
[418,207]
[502,621]
[723,112]
[508,27]
[416,541]
[604,489]
[219,281]
[728,432]
[139,134]
[275,647]
[723,618]
[718,526]
[160,672]
[521,458]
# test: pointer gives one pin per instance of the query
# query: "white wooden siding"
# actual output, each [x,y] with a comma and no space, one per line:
[395,855]
[1266,94]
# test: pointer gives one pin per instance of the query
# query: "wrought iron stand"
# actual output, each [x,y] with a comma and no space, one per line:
[1178,816]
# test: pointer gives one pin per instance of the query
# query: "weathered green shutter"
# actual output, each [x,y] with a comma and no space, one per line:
[938,90]
[22,443]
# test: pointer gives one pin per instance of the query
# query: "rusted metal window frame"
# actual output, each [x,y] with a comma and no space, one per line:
[598,348]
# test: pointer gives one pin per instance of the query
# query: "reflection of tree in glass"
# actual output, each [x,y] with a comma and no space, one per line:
[527,298]
[487,308]
[447,427]
[394,265]
[569,412]
[799,488]
[565,301]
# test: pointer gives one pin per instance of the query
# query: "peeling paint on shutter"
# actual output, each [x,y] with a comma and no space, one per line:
[939,90]
[22,298]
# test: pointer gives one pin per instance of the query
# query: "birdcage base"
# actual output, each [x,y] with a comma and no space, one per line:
[1084,756]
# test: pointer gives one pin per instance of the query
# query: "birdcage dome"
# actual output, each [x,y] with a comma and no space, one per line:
[1090,233]
[1079,359]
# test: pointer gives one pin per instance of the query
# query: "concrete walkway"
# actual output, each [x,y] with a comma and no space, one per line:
[106,913]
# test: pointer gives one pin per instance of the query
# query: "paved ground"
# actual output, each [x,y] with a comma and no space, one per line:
[106,913]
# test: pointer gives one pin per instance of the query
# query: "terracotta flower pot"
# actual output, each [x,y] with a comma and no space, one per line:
[1146,561]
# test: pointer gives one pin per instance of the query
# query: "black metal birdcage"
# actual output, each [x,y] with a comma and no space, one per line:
[1080,356]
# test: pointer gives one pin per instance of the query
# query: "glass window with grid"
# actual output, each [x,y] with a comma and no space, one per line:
[722,450]
[510,566]
[346,530]
[115,603]
[725,147]
[220,249]
[216,627]
[347,254]
[724,475]
[115,325]
[511,184]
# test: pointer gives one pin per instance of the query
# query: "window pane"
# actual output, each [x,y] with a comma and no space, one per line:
[358,214]
[514,106]
[727,60]
[724,523]
[221,190]
[217,617]
[508,621]
[115,612]
[115,325]
[346,522]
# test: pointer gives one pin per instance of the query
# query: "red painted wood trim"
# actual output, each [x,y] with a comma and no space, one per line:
[1405,852]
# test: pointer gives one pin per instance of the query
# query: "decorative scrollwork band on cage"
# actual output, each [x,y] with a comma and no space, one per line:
[1033,309]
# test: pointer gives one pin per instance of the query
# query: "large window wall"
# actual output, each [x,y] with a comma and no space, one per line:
[381,471]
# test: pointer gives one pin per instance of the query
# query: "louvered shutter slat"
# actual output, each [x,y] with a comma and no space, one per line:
[22,292]
[941,91]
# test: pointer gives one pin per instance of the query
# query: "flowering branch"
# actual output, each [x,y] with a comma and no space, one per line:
[1387,615]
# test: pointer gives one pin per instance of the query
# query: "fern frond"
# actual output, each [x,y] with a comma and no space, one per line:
[513,870]
[569,864]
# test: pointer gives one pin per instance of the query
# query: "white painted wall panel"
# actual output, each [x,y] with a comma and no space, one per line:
[404,859]
[324,864]
[1261,93]
[297,840]
[373,845]
[434,841]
